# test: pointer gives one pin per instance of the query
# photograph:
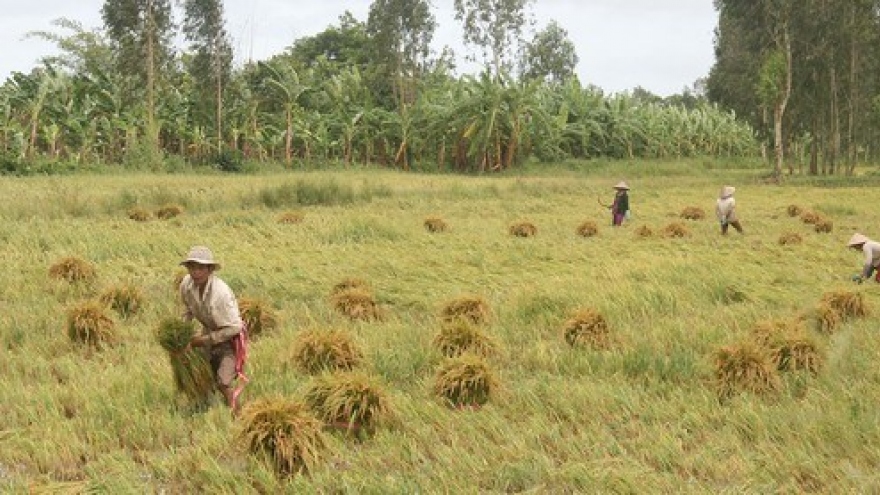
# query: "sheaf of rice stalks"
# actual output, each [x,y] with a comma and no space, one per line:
[692,213]
[587,327]
[472,308]
[73,269]
[435,225]
[523,229]
[316,351]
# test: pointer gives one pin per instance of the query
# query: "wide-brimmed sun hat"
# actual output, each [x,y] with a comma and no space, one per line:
[621,185]
[201,255]
[856,240]
[727,191]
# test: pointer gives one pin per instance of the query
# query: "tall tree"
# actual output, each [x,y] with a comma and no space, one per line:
[496,27]
[550,56]
[141,32]
[211,64]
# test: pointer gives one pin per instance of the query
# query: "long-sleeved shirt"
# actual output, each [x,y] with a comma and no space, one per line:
[872,257]
[215,308]
[725,209]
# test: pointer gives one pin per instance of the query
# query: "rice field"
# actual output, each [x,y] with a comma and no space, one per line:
[642,413]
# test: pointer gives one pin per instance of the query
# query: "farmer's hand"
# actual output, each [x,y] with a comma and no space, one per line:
[200,341]
[857,279]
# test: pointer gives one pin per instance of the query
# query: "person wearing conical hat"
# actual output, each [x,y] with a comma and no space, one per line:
[620,206]
[725,210]
[871,249]
[207,299]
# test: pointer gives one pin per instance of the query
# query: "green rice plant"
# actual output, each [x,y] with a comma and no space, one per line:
[644,231]
[139,214]
[73,270]
[125,299]
[191,371]
[810,217]
[462,335]
[588,228]
[790,239]
[744,367]
[283,433]
[316,351]
[676,229]
[692,213]
[472,308]
[89,324]
[169,211]
[794,210]
[291,217]
[357,304]
[435,225]
[796,351]
[351,400]
[848,304]
[823,226]
[258,315]
[466,380]
[587,327]
[523,229]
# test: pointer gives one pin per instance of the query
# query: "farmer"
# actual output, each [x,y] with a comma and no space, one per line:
[210,301]
[872,255]
[620,206]
[725,210]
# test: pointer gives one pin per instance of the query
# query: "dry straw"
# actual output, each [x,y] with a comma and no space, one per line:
[523,229]
[797,352]
[73,270]
[466,380]
[744,367]
[88,323]
[823,226]
[794,210]
[316,351]
[291,217]
[676,229]
[169,211]
[139,214]
[284,433]
[587,327]
[810,217]
[191,371]
[790,239]
[258,315]
[472,308]
[587,229]
[352,401]
[357,304]
[692,213]
[460,336]
[644,231]
[848,304]
[435,225]
[125,299]
[349,283]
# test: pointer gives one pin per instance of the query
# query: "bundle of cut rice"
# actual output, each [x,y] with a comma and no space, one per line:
[192,372]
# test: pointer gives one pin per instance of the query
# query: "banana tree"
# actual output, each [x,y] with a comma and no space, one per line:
[285,88]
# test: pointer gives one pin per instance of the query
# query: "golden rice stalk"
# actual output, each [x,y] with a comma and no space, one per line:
[73,270]
[460,336]
[357,304]
[827,317]
[744,367]
[192,372]
[178,279]
[790,239]
[258,315]
[766,331]
[139,214]
[587,327]
[316,351]
[436,224]
[291,217]
[823,226]
[587,229]
[465,380]
[349,283]
[283,433]
[644,231]
[692,213]
[810,217]
[125,299]
[169,211]
[794,210]
[89,324]
[676,229]
[354,401]
[797,352]
[848,304]
[472,308]
[523,229]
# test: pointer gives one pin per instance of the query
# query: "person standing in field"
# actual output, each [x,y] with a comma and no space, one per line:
[620,206]
[211,302]
[871,249]
[725,210]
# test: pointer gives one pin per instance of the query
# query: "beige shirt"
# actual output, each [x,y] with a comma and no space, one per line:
[725,209]
[216,308]
[872,254]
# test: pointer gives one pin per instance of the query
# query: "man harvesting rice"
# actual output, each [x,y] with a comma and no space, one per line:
[209,300]
[871,249]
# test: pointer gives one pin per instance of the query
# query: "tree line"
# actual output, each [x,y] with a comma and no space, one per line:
[361,91]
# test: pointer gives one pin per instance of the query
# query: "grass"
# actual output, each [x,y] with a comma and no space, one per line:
[641,416]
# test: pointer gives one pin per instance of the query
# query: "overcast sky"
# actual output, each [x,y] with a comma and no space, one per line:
[660,45]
